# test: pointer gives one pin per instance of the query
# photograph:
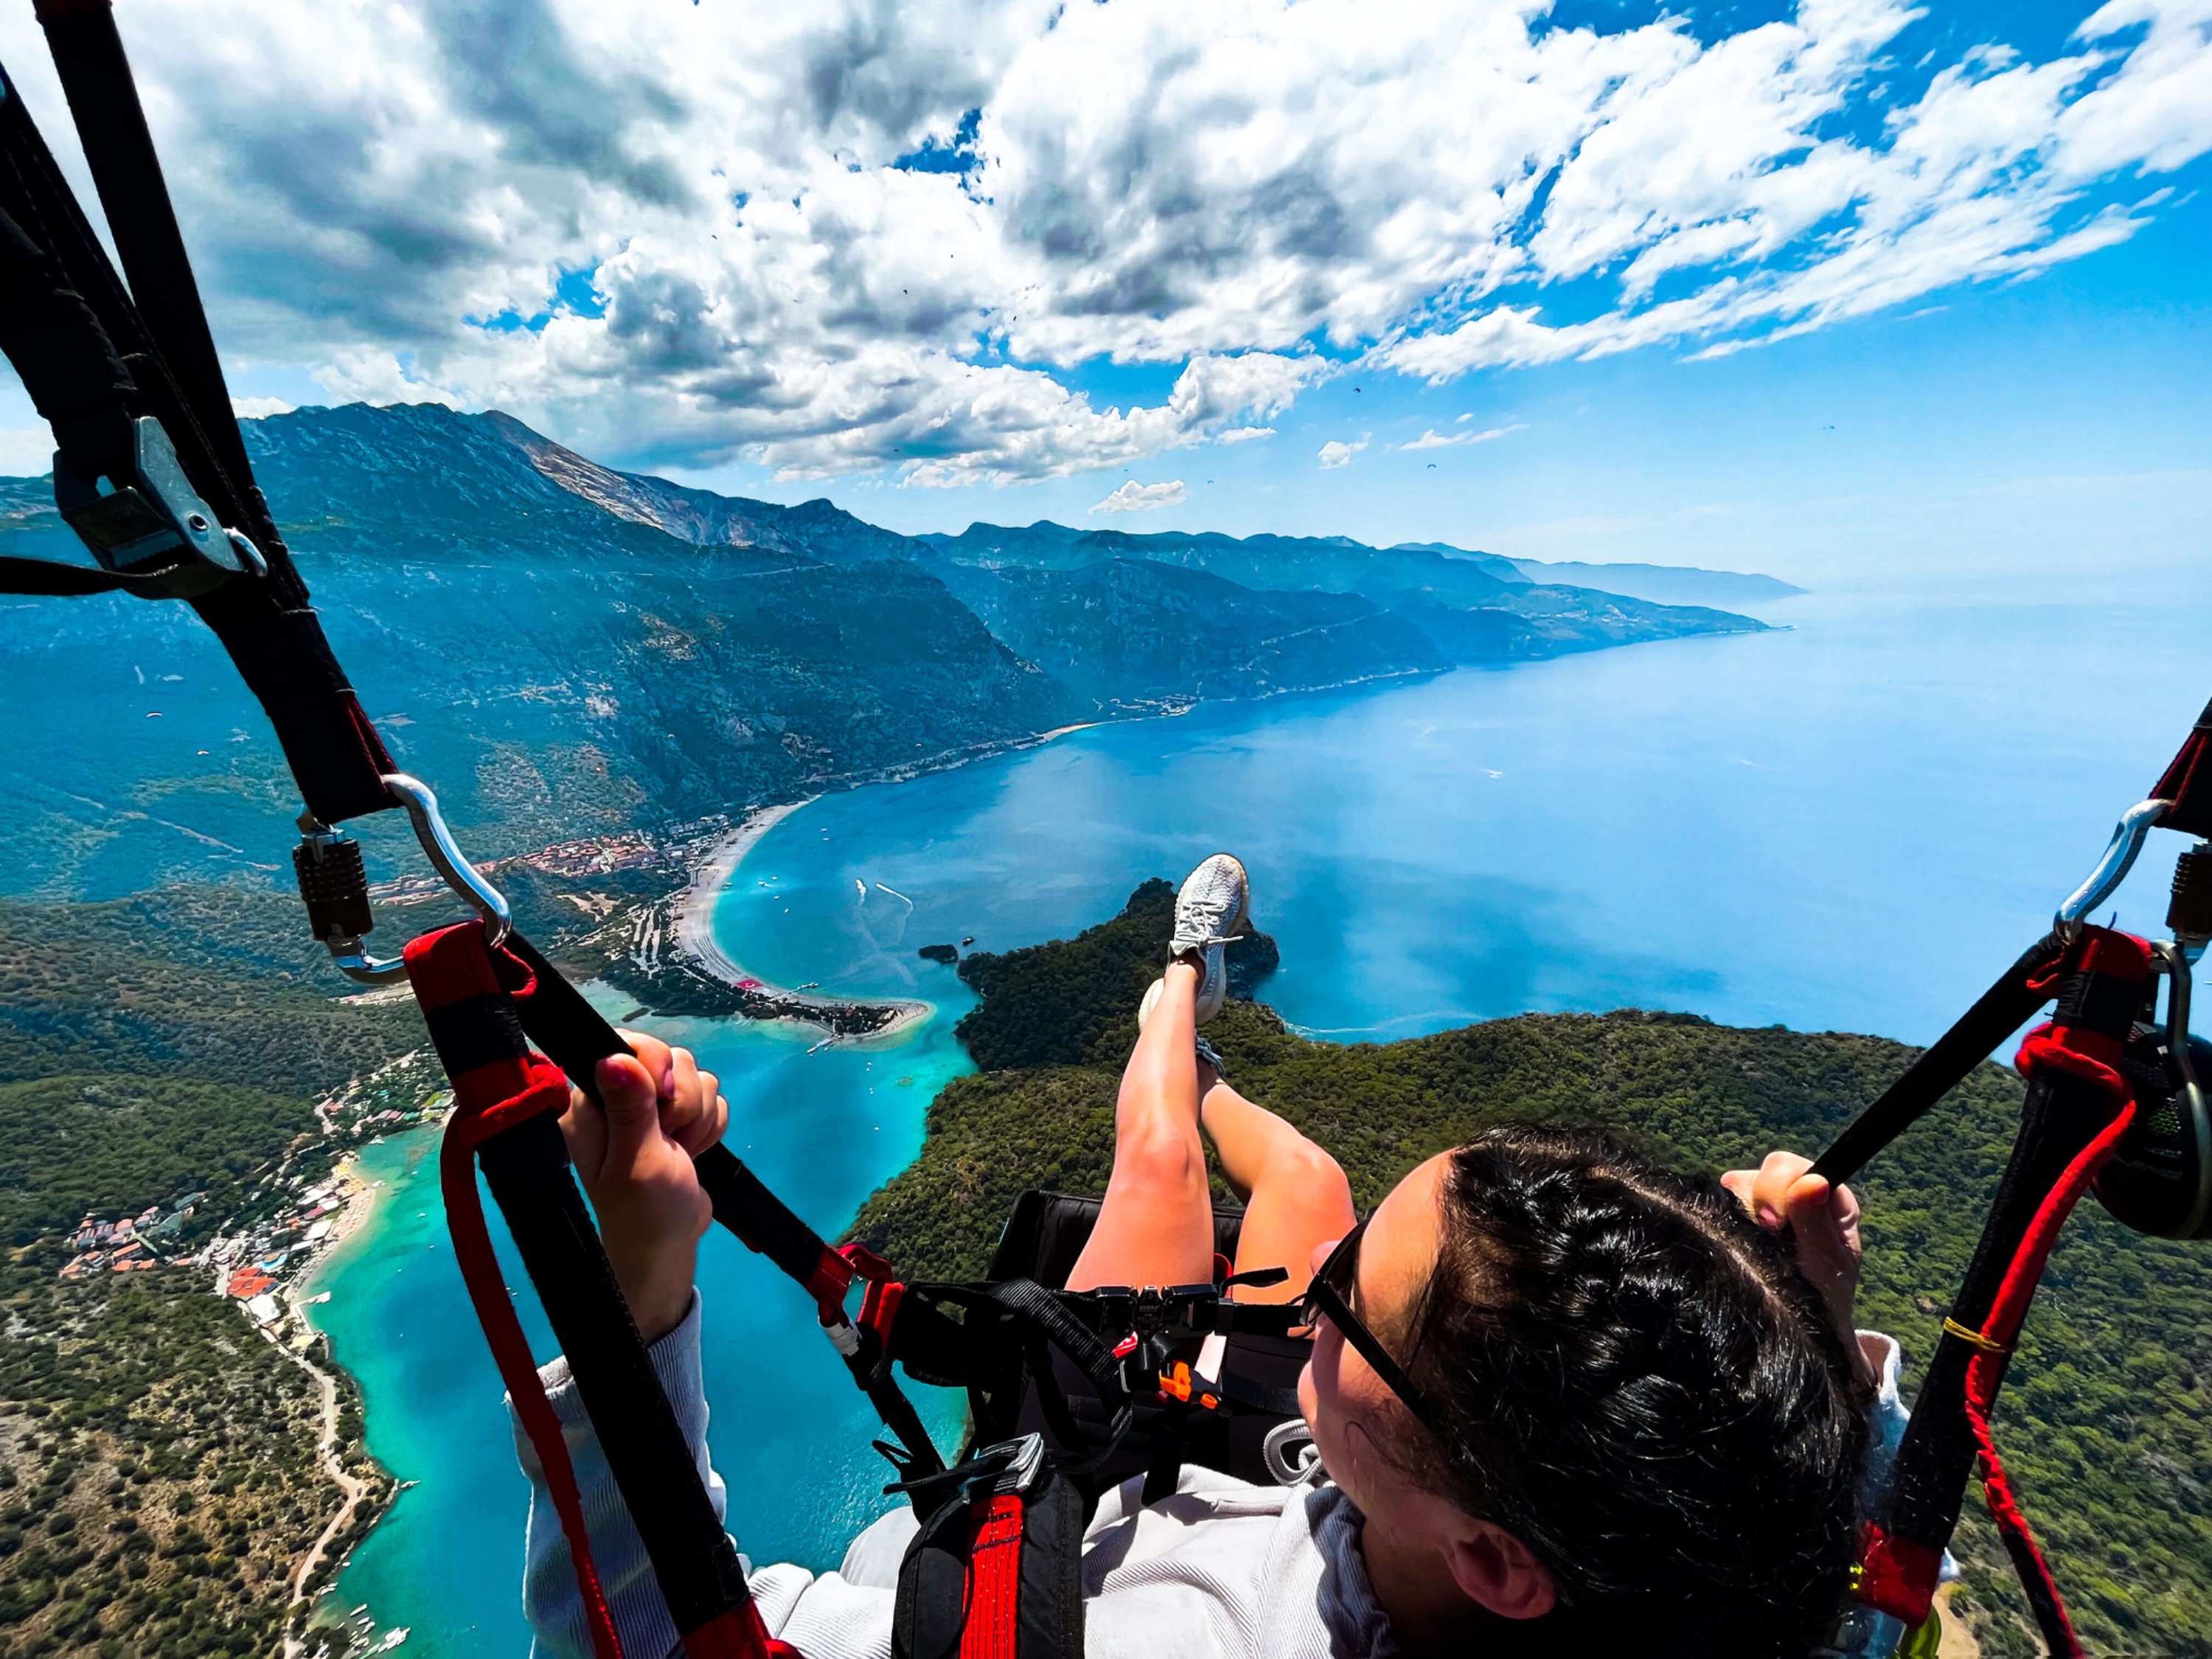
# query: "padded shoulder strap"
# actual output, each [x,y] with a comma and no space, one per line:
[998,1574]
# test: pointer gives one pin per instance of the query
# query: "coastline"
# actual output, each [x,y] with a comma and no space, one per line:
[357,1198]
[691,928]
[691,913]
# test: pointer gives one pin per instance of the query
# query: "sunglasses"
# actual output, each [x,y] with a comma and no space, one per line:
[1329,1297]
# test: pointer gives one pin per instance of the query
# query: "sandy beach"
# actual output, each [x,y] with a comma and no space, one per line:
[692,920]
[691,916]
[356,1196]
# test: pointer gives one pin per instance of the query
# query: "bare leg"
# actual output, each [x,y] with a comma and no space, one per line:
[1157,1224]
[1296,1197]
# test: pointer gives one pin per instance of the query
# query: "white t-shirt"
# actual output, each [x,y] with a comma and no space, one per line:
[1221,1569]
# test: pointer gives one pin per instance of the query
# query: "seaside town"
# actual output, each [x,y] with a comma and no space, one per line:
[129,1244]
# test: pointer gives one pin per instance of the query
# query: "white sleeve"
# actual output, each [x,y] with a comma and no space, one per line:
[550,1598]
[826,1618]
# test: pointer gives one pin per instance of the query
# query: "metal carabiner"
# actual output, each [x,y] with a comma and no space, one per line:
[2120,855]
[437,844]
[334,887]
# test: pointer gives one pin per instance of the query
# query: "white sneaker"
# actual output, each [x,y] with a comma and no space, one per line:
[1210,906]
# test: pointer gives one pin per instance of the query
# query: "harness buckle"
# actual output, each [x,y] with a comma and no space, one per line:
[1024,1463]
[150,521]
[1178,1385]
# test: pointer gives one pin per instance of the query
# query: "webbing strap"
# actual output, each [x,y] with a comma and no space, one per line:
[764,1222]
[2067,1107]
[103,99]
[2019,992]
[91,361]
[469,1002]
[498,1084]
[993,1614]
[2188,782]
[1986,1372]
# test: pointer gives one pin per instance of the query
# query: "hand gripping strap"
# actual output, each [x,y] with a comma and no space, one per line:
[497,1085]
[504,1092]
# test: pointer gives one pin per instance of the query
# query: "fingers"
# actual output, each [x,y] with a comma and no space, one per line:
[711,1120]
[693,1113]
[1825,1254]
[584,1126]
[1763,1192]
[653,1055]
[632,1109]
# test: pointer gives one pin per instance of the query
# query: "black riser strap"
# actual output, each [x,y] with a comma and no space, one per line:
[527,1170]
[103,99]
[2002,1009]
[572,1035]
[757,1216]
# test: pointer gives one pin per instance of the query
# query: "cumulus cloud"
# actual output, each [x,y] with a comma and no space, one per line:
[1433,439]
[1134,497]
[882,234]
[1336,453]
[258,409]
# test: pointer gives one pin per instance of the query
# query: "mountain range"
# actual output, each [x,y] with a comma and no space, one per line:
[568,649]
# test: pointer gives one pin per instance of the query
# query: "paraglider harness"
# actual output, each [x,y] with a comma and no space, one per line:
[1067,1393]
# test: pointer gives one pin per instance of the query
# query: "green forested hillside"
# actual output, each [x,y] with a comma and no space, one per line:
[158,1479]
[217,984]
[2107,1417]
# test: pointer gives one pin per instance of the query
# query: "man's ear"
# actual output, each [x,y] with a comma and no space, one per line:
[1495,1570]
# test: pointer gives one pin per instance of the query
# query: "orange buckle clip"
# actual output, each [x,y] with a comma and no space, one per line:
[1178,1385]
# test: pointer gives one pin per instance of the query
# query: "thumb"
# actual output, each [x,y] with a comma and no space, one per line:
[1824,1256]
[632,1110]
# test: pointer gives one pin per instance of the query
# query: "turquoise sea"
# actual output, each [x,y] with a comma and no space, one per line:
[1849,825]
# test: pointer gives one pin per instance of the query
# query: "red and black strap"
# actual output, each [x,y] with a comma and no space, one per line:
[2188,782]
[508,1105]
[994,1577]
[2070,1121]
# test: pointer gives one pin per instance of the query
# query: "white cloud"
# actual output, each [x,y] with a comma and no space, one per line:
[1243,435]
[683,234]
[1433,439]
[1336,453]
[1134,497]
[258,409]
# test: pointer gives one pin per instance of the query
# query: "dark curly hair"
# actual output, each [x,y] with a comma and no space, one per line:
[1633,1379]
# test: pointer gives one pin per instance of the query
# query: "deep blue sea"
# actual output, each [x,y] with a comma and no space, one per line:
[1850,824]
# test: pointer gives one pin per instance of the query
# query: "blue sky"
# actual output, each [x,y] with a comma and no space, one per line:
[1835,287]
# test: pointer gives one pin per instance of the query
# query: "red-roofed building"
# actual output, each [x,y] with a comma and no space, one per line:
[249,1282]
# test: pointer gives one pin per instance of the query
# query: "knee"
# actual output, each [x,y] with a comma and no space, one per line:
[1166,1161]
[1298,1166]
